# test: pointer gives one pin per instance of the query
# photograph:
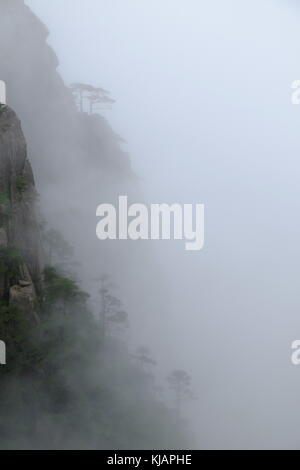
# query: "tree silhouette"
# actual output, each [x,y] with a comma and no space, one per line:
[95,97]
[111,313]
[79,90]
[99,98]
[179,381]
[62,292]
[56,247]
[143,356]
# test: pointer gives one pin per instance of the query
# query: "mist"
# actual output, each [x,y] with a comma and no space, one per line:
[203,103]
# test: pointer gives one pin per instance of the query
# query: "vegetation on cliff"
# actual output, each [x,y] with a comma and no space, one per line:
[70,379]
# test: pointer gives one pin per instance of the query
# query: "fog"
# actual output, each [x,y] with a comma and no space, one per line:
[203,100]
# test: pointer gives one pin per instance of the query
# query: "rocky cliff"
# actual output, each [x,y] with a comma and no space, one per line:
[57,135]
[78,159]
[63,386]
[21,261]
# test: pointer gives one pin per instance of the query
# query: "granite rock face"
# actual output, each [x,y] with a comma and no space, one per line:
[21,259]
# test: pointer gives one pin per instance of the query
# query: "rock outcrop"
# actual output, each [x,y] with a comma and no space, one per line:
[21,260]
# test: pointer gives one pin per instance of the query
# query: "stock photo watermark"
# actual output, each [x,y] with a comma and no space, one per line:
[156,222]
[295,357]
[2,353]
[295,96]
[2,92]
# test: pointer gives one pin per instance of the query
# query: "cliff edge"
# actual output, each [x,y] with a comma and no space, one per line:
[21,260]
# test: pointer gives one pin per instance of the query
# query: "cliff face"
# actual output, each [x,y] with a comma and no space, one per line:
[63,387]
[78,159]
[57,135]
[21,259]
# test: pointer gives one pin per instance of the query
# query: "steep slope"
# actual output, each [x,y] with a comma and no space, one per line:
[19,232]
[56,135]
[78,159]
[64,386]
[78,162]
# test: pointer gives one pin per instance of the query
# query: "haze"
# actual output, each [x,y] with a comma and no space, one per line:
[203,101]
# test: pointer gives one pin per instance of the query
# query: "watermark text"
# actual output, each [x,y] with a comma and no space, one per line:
[158,222]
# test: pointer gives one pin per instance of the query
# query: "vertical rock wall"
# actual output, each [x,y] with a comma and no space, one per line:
[20,242]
